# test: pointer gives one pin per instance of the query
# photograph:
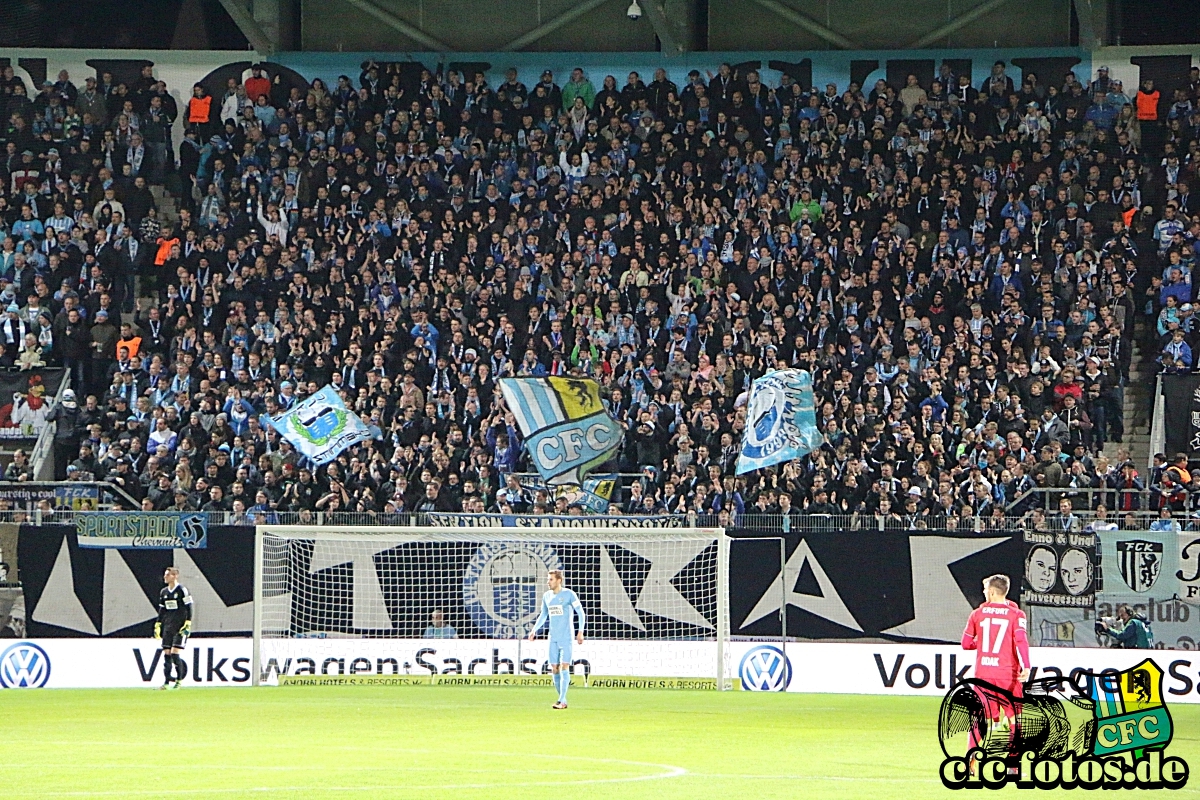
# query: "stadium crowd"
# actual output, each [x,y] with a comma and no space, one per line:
[959,265]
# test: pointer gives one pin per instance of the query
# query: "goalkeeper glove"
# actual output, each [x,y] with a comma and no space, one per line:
[158,630]
[187,627]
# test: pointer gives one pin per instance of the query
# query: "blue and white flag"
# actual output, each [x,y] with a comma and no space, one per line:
[781,420]
[321,426]
[567,430]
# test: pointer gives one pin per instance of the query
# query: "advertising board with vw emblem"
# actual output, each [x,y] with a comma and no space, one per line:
[765,668]
[24,665]
[503,583]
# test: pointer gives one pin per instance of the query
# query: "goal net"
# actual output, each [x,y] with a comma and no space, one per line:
[413,603]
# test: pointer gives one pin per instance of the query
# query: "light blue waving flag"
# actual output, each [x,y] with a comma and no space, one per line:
[321,426]
[567,429]
[781,420]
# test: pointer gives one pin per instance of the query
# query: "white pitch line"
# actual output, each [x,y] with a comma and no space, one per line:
[297,768]
[671,772]
[667,771]
[738,777]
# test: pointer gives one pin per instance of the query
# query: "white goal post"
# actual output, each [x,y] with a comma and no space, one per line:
[362,601]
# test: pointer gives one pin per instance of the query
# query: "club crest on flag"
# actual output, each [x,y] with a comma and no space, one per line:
[781,420]
[568,431]
[1140,563]
[321,426]
[1058,634]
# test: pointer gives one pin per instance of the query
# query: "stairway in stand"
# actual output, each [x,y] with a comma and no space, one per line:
[168,212]
[1139,405]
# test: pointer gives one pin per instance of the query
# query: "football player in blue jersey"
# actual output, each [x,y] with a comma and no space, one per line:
[560,606]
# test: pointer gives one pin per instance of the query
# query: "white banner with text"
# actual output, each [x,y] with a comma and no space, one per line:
[839,668]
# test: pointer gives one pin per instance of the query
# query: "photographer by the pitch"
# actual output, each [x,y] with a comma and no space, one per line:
[1132,632]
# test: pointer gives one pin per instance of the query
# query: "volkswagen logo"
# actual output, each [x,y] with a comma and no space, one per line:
[24,666]
[765,669]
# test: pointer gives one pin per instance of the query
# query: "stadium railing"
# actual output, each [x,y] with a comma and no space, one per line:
[1115,501]
[41,457]
[761,524]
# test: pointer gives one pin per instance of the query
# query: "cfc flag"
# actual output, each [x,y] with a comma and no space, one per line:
[567,430]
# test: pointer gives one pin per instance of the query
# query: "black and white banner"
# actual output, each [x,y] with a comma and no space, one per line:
[855,584]
[80,591]
[1060,569]
[905,586]
[1181,398]
[636,588]
[1157,573]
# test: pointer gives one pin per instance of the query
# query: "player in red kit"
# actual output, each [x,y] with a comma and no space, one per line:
[997,632]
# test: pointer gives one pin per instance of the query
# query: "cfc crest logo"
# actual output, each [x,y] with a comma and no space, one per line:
[502,583]
[765,669]
[1088,730]
[24,666]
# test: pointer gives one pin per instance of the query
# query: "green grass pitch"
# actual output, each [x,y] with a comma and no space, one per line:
[478,742]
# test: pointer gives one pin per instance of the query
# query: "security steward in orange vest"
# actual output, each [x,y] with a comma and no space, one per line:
[199,111]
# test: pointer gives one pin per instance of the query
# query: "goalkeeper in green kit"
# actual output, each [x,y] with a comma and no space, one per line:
[174,626]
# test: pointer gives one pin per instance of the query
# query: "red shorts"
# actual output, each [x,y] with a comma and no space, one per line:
[995,704]
[1002,680]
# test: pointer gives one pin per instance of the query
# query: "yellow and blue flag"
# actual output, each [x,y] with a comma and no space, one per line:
[594,494]
[567,430]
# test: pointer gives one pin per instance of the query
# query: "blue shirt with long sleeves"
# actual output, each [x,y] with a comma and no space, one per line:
[557,608]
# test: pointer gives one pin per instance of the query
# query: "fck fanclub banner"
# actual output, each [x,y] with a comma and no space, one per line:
[1156,574]
[1160,564]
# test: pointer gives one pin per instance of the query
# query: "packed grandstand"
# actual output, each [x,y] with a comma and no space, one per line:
[974,274]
